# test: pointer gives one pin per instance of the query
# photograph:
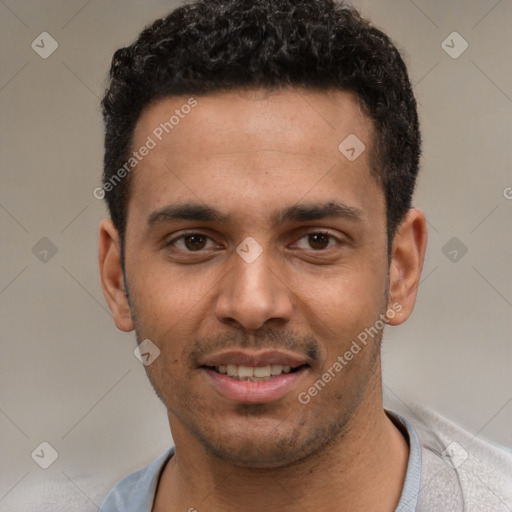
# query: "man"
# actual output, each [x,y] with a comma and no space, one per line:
[260,160]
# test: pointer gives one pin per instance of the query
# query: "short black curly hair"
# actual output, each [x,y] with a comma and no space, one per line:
[213,45]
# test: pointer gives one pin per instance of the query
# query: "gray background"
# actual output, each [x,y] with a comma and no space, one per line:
[68,377]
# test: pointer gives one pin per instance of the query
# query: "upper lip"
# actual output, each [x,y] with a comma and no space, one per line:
[253,358]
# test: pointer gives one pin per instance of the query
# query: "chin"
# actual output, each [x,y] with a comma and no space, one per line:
[268,446]
[258,455]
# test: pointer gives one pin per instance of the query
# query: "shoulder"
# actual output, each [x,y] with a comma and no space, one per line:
[473,472]
[136,491]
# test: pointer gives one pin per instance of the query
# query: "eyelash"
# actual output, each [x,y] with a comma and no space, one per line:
[194,233]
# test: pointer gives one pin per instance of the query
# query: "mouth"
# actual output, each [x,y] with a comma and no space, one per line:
[254,377]
[255,374]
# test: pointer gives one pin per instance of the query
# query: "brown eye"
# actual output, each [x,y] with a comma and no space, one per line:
[318,241]
[195,242]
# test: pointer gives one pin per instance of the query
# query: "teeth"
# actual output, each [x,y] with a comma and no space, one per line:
[241,372]
[276,369]
[245,371]
[262,371]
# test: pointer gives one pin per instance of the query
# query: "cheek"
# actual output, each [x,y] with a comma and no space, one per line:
[166,299]
[166,309]
[347,295]
[339,308]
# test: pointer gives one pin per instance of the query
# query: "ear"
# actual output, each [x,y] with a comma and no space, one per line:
[407,256]
[111,273]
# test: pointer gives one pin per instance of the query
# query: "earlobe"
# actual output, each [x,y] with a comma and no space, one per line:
[407,257]
[111,273]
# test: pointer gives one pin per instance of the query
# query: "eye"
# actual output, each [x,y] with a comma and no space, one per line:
[196,242]
[318,241]
[191,242]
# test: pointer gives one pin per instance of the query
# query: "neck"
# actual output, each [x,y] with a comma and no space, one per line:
[364,469]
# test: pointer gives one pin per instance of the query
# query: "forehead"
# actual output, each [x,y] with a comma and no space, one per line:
[253,146]
[226,119]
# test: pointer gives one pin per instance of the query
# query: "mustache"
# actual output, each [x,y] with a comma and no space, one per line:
[262,339]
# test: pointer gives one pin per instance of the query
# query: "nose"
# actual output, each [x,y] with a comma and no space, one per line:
[253,294]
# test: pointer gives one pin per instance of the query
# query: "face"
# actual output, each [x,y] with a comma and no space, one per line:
[256,253]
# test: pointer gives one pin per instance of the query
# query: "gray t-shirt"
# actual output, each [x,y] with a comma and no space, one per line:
[448,471]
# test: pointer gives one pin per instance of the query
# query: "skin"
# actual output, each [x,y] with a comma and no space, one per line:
[250,155]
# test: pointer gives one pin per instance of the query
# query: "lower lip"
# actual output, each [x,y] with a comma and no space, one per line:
[257,392]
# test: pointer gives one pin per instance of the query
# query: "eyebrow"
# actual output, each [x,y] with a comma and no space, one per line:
[297,213]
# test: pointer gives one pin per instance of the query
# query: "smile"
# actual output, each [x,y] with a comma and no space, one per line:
[254,374]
